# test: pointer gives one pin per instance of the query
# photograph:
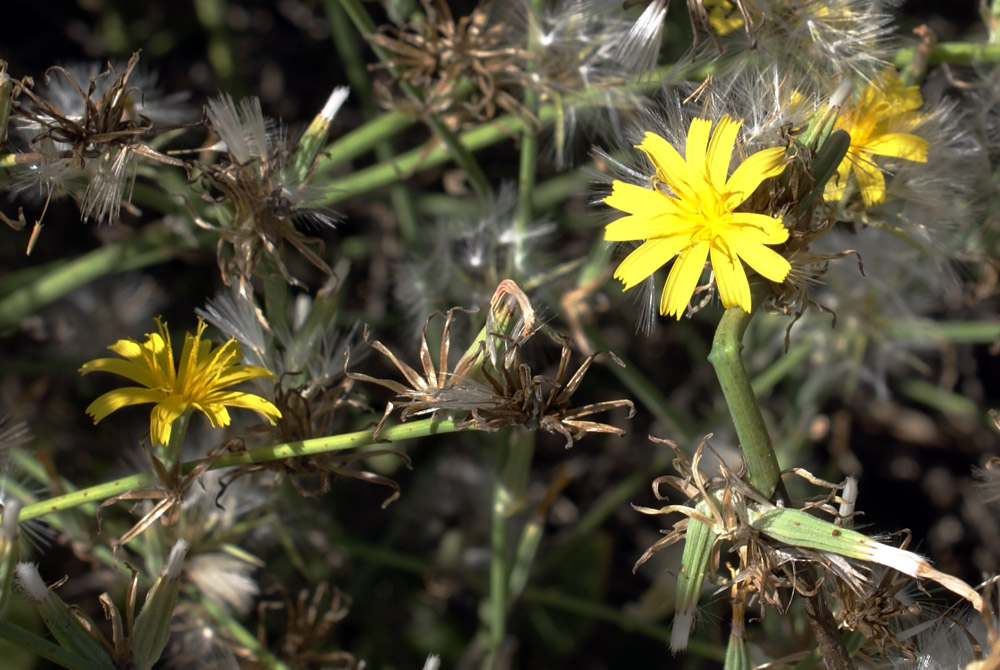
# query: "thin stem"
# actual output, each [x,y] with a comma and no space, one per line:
[497,611]
[528,169]
[726,357]
[828,637]
[513,467]
[550,598]
[599,612]
[319,445]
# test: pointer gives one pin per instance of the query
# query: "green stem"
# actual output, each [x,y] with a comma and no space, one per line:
[319,445]
[148,248]
[645,391]
[793,359]
[361,140]
[955,53]
[726,357]
[513,467]
[41,647]
[497,609]
[528,170]
[958,332]
[525,190]
[599,612]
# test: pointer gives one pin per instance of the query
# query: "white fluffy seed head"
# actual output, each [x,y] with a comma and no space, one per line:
[31,582]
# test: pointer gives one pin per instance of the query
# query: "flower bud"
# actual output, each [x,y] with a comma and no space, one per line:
[152,626]
[8,550]
[67,629]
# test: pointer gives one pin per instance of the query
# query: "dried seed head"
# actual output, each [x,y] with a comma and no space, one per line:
[265,194]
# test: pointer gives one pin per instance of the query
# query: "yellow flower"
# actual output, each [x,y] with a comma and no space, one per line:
[200,382]
[723,16]
[698,218]
[878,126]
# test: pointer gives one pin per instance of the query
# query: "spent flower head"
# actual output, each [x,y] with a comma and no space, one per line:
[690,212]
[84,134]
[265,182]
[808,37]
[202,381]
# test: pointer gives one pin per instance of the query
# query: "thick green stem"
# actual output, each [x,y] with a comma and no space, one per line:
[40,289]
[277,452]
[726,357]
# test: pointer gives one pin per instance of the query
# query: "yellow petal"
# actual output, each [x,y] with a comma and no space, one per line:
[670,167]
[683,279]
[112,401]
[838,184]
[128,369]
[899,145]
[751,172]
[633,199]
[697,146]
[767,262]
[760,228]
[730,278]
[162,417]
[217,413]
[648,258]
[127,349]
[871,183]
[720,150]
[252,402]
[236,374]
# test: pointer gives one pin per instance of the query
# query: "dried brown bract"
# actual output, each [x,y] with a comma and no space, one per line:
[423,394]
[521,398]
[309,621]
[170,494]
[436,55]
[96,133]
[261,196]
[491,386]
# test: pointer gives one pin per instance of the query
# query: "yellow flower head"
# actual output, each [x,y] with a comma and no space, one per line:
[201,382]
[878,125]
[724,16]
[697,218]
